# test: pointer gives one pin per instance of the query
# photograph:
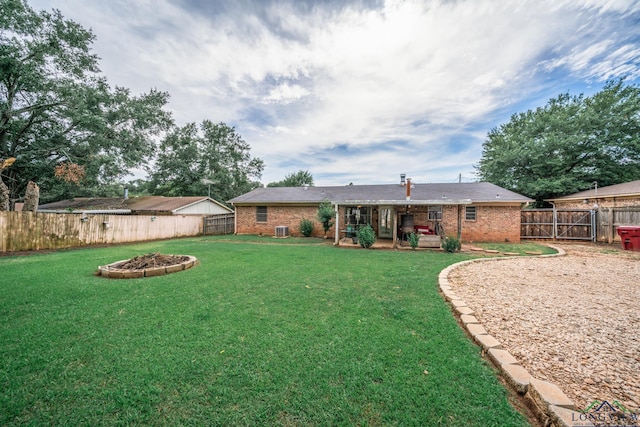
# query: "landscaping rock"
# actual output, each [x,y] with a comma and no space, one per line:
[487,341]
[570,320]
[518,377]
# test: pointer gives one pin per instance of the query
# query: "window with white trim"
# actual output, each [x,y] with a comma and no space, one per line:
[261,214]
[470,213]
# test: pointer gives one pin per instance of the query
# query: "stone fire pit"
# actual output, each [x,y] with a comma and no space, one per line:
[148,265]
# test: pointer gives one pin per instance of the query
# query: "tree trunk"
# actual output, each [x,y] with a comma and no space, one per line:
[4,196]
[31,197]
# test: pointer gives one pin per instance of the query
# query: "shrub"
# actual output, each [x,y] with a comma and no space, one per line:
[306,227]
[326,214]
[451,244]
[366,236]
[413,240]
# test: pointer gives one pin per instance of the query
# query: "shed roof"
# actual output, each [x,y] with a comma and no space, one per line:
[445,193]
[132,204]
[627,189]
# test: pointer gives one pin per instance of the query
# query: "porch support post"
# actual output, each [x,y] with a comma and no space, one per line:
[395,228]
[337,227]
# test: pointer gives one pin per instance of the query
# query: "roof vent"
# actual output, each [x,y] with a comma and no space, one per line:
[403,177]
[305,187]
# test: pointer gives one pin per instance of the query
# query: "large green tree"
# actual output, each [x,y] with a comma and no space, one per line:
[297,179]
[193,160]
[567,145]
[67,128]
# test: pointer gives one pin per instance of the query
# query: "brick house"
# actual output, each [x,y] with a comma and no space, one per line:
[613,196]
[480,211]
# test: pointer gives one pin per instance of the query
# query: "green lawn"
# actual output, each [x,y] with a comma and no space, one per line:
[292,332]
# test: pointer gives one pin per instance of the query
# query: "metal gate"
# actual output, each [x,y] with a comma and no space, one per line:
[558,224]
[219,224]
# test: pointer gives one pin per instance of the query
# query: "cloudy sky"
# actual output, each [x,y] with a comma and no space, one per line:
[361,91]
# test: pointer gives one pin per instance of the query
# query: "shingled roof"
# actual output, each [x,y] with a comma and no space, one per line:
[130,205]
[446,193]
[627,189]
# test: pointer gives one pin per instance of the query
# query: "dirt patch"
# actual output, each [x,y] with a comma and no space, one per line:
[571,320]
[151,260]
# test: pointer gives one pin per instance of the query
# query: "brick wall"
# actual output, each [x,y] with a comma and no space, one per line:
[492,224]
[289,216]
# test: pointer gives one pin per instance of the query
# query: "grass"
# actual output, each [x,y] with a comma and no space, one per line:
[287,333]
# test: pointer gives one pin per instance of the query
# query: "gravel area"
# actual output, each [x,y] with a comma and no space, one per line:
[573,320]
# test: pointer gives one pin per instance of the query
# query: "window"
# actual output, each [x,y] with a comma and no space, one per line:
[357,215]
[435,213]
[470,213]
[261,214]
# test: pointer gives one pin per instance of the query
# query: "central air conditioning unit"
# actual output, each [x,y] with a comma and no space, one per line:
[282,231]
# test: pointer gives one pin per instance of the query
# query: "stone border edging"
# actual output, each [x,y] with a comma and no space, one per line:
[110,272]
[549,402]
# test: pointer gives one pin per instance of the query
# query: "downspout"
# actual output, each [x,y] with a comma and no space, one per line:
[235,219]
[459,222]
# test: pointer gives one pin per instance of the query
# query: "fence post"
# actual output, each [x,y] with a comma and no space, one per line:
[612,230]
[555,223]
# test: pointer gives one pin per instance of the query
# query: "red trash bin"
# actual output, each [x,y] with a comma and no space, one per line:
[630,236]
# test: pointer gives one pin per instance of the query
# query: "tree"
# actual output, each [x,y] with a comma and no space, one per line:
[297,179]
[567,145]
[31,197]
[55,109]
[215,152]
[326,214]
[4,190]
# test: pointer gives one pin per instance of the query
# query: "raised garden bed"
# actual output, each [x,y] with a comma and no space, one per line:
[148,265]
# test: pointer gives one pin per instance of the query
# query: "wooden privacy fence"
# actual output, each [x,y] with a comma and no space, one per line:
[577,224]
[220,224]
[610,218]
[558,224]
[21,231]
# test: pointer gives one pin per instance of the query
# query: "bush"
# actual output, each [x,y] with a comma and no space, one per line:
[306,227]
[326,214]
[451,244]
[413,240]
[366,236]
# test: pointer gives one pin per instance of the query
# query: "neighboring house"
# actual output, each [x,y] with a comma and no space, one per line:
[612,196]
[478,211]
[145,205]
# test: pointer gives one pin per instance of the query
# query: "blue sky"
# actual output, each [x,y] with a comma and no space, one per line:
[361,91]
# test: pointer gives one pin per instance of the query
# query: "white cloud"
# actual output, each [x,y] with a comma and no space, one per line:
[296,83]
[285,94]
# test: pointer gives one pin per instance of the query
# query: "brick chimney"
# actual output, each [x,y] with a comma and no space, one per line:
[408,188]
